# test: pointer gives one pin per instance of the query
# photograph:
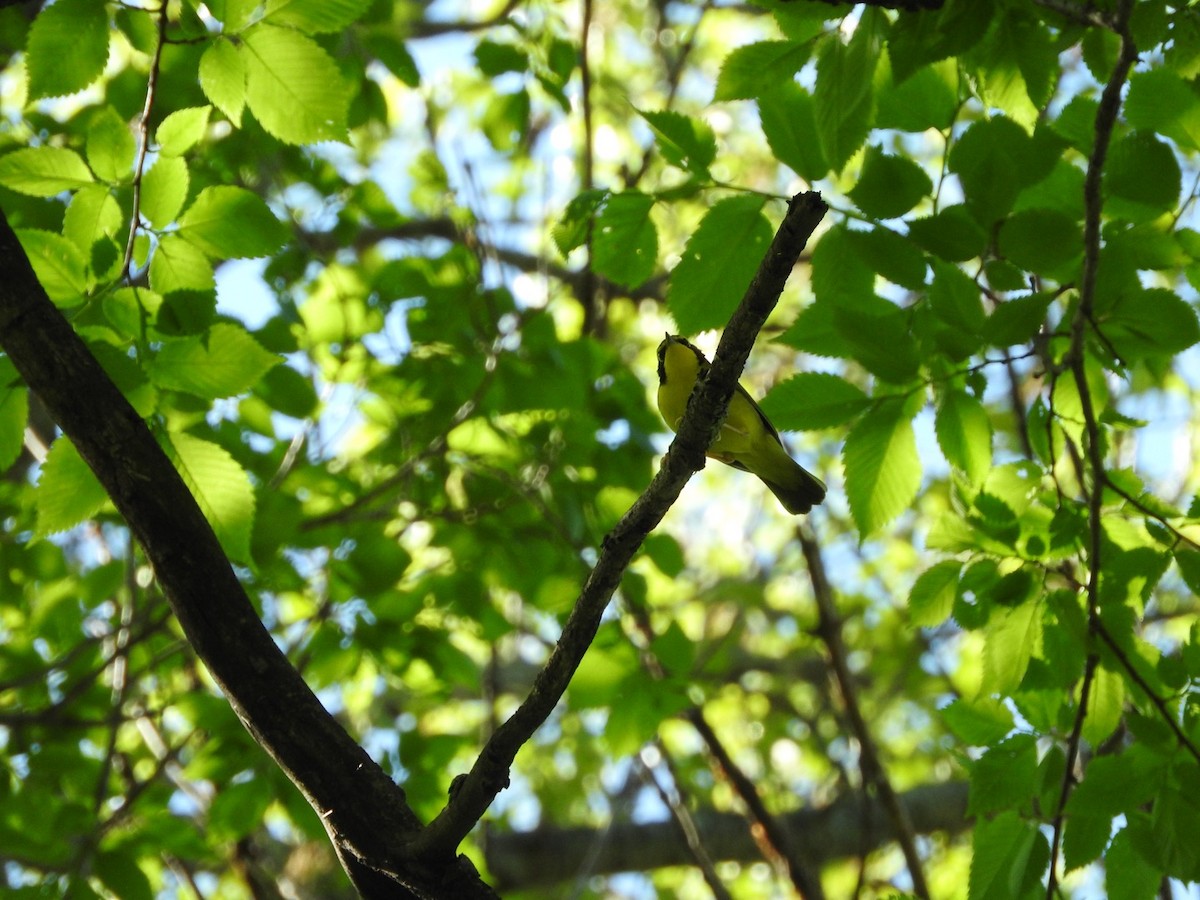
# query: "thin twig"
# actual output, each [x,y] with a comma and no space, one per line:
[674,802]
[1106,117]
[588,295]
[774,842]
[829,629]
[772,839]
[144,140]
[1136,677]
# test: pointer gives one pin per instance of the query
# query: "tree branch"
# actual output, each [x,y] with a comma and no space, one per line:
[1093,201]
[549,855]
[705,413]
[363,810]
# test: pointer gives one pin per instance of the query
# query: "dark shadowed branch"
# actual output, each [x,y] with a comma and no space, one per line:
[549,855]
[364,811]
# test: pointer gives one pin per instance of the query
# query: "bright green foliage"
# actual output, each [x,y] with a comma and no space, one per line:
[223,362]
[717,263]
[627,242]
[220,486]
[231,223]
[68,46]
[754,69]
[292,86]
[396,331]
[882,468]
[683,141]
[67,490]
[43,171]
[814,400]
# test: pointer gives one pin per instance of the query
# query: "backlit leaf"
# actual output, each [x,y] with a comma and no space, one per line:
[883,470]
[718,262]
[220,486]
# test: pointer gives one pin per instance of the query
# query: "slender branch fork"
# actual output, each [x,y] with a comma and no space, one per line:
[1106,117]
[475,791]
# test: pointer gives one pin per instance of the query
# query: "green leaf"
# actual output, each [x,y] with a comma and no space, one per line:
[880,339]
[1005,776]
[232,223]
[951,234]
[182,130]
[392,53]
[883,470]
[236,808]
[1008,856]
[572,229]
[1106,706]
[293,87]
[14,414]
[234,14]
[222,363]
[493,58]
[1142,170]
[813,400]
[666,554]
[221,488]
[43,171]
[838,275]
[110,147]
[844,98]
[718,263]
[1017,320]
[889,186]
[288,392]
[893,256]
[1013,635]
[990,160]
[814,332]
[754,69]
[223,78]
[164,190]
[1159,100]
[1189,567]
[978,722]
[1127,874]
[603,670]
[625,241]
[59,265]
[67,47]
[119,871]
[1014,66]
[1151,322]
[788,119]
[92,214]
[1040,240]
[964,433]
[67,491]
[178,265]
[926,99]
[315,16]
[954,299]
[930,35]
[933,593]
[683,141]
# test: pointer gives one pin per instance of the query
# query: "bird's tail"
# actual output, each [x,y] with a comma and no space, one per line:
[800,493]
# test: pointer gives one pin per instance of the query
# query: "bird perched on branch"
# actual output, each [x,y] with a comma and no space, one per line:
[747,440]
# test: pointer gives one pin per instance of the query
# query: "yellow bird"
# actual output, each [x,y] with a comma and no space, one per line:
[747,441]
